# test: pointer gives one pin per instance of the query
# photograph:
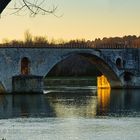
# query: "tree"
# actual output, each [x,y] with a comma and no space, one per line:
[28,37]
[33,7]
[3,4]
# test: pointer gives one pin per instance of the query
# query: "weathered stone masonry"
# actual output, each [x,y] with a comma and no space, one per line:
[120,66]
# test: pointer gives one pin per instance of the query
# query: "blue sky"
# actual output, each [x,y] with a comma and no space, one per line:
[86,19]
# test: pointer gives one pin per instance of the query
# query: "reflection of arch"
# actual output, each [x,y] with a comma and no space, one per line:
[119,62]
[25,69]
[107,67]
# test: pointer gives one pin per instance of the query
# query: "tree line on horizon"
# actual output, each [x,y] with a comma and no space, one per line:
[130,41]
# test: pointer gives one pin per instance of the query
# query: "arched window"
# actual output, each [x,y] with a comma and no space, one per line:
[128,76]
[119,63]
[25,69]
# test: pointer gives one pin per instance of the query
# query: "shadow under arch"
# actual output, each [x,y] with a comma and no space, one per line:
[128,77]
[99,62]
[2,88]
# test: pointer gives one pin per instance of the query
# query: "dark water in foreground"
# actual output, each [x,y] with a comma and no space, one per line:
[70,113]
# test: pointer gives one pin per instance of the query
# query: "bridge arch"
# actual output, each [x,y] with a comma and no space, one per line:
[128,78]
[109,69]
[119,62]
[25,66]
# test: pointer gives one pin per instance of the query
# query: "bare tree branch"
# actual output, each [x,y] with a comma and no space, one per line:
[33,7]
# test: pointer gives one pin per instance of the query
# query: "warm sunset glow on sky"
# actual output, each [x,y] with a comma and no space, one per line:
[87,19]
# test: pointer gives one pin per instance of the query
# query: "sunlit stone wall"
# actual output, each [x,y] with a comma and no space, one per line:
[102,82]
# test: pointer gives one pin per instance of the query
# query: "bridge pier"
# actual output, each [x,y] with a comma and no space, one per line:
[27,84]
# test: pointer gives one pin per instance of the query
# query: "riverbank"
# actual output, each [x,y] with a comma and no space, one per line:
[70,81]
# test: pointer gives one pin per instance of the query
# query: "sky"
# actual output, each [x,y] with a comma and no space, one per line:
[81,19]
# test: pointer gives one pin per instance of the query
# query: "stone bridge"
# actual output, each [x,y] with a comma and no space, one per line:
[120,66]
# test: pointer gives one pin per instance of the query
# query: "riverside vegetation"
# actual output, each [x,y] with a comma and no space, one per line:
[130,41]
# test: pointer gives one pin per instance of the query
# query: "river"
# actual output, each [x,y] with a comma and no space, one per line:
[71,113]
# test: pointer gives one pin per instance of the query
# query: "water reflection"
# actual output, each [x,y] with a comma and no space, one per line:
[103,100]
[72,104]
[125,102]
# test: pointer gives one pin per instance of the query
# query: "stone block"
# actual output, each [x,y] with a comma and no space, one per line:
[27,84]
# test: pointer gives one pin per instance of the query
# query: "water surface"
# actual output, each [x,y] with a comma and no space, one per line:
[71,113]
